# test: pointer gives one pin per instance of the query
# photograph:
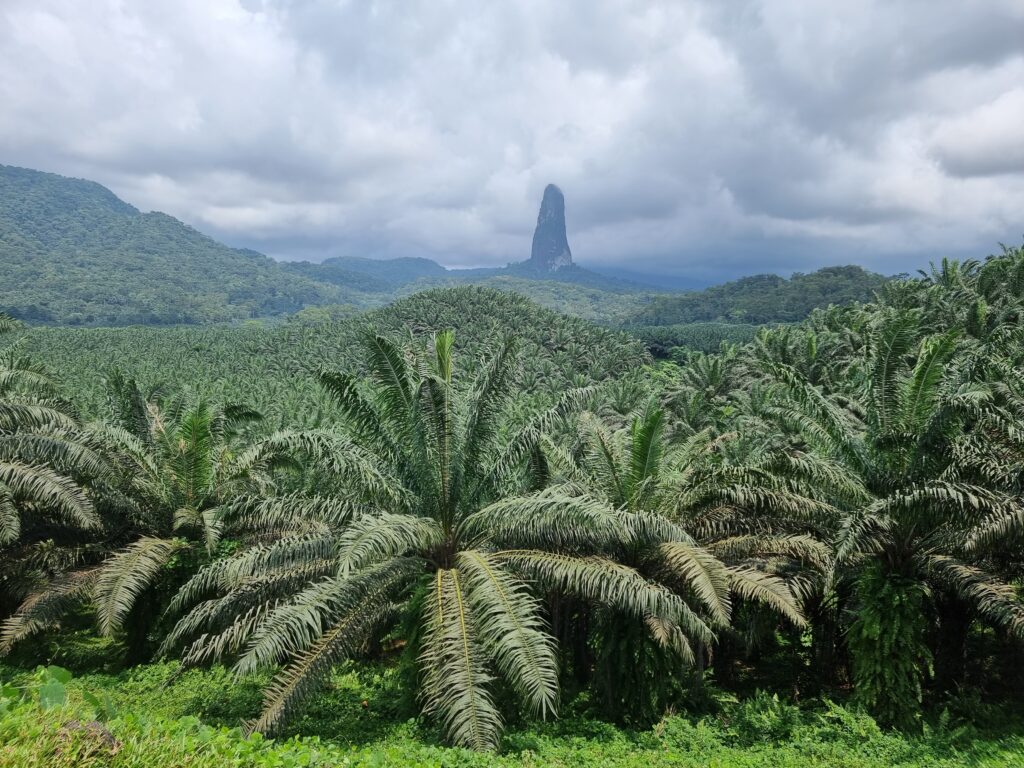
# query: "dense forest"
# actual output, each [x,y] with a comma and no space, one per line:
[763,298]
[466,520]
[73,253]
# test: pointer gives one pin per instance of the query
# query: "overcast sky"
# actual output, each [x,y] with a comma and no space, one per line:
[709,139]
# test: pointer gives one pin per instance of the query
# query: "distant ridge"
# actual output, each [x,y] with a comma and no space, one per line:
[550,260]
[763,298]
[73,253]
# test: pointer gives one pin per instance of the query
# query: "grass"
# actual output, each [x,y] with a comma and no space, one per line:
[157,717]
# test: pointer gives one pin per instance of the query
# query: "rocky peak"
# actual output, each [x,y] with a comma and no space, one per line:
[550,245]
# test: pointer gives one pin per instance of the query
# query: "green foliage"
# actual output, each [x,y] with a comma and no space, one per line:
[672,341]
[369,275]
[46,687]
[272,368]
[763,298]
[888,650]
[600,303]
[762,717]
[72,253]
[152,726]
[525,515]
[636,679]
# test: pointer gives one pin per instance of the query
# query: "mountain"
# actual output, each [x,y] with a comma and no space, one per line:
[671,283]
[550,251]
[72,253]
[763,298]
[550,260]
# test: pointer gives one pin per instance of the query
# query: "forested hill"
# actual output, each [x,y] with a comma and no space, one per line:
[72,253]
[370,275]
[763,298]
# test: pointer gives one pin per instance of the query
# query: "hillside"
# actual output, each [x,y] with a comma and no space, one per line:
[762,298]
[385,275]
[368,275]
[72,253]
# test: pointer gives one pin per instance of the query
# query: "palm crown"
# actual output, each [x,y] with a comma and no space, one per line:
[169,470]
[46,463]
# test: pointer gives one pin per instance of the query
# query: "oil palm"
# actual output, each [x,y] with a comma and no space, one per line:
[690,500]
[45,466]
[175,466]
[905,438]
[439,540]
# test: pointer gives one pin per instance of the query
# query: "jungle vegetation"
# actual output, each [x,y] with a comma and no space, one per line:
[518,516]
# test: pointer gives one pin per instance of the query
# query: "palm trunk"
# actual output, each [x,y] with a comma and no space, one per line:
[137,649]
[951,644]
[722,662]
[700,655]
[827,663]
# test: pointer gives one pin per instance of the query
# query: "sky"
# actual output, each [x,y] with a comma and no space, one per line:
[703,139]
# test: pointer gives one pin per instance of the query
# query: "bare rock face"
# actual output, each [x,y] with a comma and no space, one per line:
[550,245]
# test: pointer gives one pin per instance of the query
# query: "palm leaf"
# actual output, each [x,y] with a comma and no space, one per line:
[124,577]
[455,676]
[513,634]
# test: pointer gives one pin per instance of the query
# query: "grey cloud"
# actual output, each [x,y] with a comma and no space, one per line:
[703,138]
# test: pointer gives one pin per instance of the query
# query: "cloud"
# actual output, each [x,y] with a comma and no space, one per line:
[707,139]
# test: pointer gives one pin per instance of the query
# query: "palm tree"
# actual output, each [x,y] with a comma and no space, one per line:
[45,466]
[8,323]
[925,514]
[176,467]
[705,548]
[429,531]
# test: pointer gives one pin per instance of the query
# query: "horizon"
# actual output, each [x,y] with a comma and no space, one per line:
[690,140]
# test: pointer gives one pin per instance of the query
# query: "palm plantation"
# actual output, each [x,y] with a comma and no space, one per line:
[836,504]
[171,471]
[689,502]
[44,463]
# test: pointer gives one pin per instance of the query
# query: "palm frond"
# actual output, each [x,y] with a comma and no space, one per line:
[551,518]
[512,632]
[701,572]
[453,660]
[124,577]
[645,453]
[53,492]
[803,548]
[44,608]
[298,625]
[995,601]
[354,609]
[771,591]
[374,538]
[607,583]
